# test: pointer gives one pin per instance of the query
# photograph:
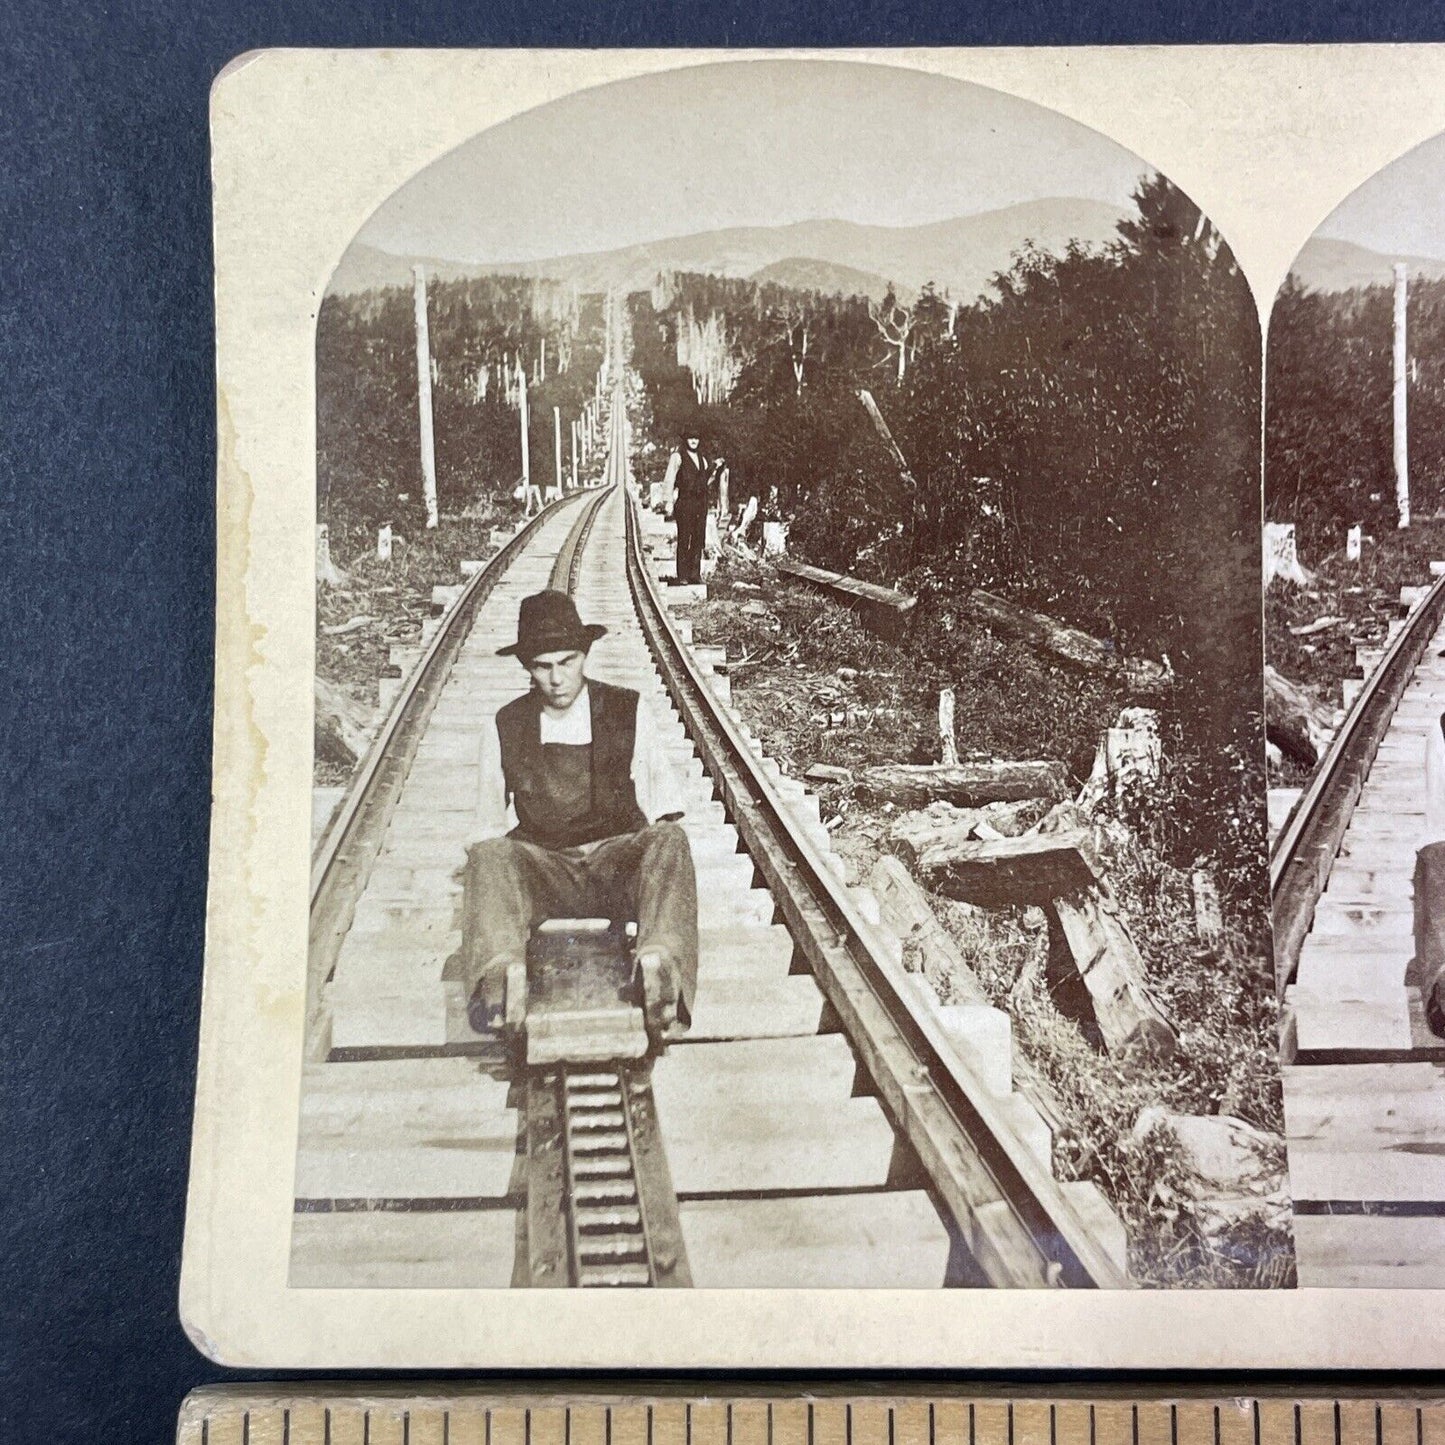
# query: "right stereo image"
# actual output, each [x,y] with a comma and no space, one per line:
[1354,572]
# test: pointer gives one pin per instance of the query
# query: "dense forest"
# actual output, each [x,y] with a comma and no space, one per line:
[1328,409]
[482,332]
[1085,440]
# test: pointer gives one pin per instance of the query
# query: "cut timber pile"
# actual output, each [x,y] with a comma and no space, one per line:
[1055,872]
[1067,643]
[913,832]
[966,785]
[1296,721]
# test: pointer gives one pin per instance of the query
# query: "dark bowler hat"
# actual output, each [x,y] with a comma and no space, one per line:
[548,622]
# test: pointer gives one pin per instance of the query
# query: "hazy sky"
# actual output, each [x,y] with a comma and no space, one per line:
[1399,210]
[759,142]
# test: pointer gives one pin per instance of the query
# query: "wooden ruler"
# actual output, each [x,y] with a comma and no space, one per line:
[752,1415]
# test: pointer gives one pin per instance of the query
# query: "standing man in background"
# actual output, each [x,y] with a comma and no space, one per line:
[685,494]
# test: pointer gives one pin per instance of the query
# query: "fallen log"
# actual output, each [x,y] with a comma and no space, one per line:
[967,785]
[913,832]
[1320,624]
[1067,643]
[882,610]
[355,624]
[343,725]
[906,911]
[1295,720]
[1087,940]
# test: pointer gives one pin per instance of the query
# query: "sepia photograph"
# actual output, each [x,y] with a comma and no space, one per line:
[1355,607]
[790,772]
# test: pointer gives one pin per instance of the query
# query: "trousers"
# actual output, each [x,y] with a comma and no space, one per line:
[1430,932]
[511,886]
[691,534]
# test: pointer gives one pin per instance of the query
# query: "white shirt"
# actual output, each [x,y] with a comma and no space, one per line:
[659,794]
[674,466]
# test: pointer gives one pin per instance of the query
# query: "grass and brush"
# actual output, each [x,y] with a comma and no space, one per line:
[818,687]
[390,597]
[1363,595]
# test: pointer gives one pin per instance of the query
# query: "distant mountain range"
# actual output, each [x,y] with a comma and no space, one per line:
[803,273]
[959,255]
[1329,265]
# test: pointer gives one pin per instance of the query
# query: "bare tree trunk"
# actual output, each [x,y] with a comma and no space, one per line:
[423,391]
[1402,445]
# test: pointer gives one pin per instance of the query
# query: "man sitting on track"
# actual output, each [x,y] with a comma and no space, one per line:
[575,765]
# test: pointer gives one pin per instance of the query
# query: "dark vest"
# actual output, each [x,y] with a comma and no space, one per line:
[565,794]
[691,484]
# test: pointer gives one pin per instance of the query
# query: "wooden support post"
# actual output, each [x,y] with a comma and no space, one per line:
[1402,447]
[327,572]
[574,455]
[1208,916]
[948,742]
[526,439]
[423,396]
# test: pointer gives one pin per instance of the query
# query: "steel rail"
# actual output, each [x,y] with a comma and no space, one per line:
[1305,849]
[346,850]
[567,569]
[1009,1210]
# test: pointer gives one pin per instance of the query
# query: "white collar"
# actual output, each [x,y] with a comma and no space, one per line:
[573,726]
